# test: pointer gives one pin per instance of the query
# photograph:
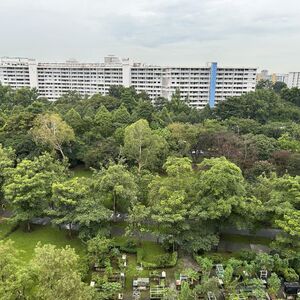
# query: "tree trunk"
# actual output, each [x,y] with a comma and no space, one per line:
[28,226]
[114,205]
[61,151]
[70,230]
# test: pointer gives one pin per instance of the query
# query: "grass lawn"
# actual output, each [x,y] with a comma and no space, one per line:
[235,238]
[82,172]
[5,228]
[26,241]
[151,250]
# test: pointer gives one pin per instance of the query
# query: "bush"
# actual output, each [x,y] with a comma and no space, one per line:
[289,274]
[168,260]
[246,255]
[128,247]
[217,258]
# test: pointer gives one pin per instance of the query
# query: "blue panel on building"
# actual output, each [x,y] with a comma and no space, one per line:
[212,87]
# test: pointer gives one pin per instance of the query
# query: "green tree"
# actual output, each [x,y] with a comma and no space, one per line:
[288,242]
[278,86]
[264,85]
[98,248]
[186,293]
[109,290]
[51,130]
[137,217]
[121,116]
[7,158]
[208,285]
[129,98]
[261,105]
[28,187]
[220,189]
[103,120]
[169,198]
[142,145]
[279,195]
[274,284]
[291,95]
[183,138]
[160,103]
[66,197]
[91,214]
[119,185]
[143,110]
[286,142]
[56,274]
[176,105]
[206,266]
[14,284]
[262,145]
[74,119]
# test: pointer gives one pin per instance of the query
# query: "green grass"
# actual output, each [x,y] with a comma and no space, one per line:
[82,172]
[235,238]
[151,250]
[132,272]
[26,241]
[5,228]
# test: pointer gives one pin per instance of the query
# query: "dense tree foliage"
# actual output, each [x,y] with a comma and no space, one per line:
[163,168]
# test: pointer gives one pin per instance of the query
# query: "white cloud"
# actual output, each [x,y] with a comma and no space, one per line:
[263,33]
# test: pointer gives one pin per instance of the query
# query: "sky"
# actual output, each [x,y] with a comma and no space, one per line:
[254,33]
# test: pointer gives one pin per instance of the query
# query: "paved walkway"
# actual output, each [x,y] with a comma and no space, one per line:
[265,232]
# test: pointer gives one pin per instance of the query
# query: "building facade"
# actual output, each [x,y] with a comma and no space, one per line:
[198,85]
[293,80]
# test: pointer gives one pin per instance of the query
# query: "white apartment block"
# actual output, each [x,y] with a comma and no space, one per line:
[198,85]
[293,80]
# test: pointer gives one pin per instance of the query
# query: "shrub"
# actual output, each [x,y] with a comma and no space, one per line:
[246,255]
[289,274]
[168,260]
[128,247]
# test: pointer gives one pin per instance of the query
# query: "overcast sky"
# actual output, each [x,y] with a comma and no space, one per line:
[260,33]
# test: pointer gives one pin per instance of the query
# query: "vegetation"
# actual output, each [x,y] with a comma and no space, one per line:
[167,177]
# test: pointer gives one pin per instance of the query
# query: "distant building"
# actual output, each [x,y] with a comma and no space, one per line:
[198,85]
[274,77]
[293,79]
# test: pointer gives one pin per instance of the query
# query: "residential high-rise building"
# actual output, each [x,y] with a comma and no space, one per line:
[198,85]
[293,80]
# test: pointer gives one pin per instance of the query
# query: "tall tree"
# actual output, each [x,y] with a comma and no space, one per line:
[103,120]
[14,283]
[28,187]
[74,119]
[119,185]
[142,145]
[264,85]
[91,214]
[169,199]
[7,158]
[289,241]
[136,220]
[51,130]
[66,197]
[56,274]
[220,188]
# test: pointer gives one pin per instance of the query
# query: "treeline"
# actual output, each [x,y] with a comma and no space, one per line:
[177,172]
[258,131]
